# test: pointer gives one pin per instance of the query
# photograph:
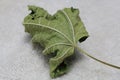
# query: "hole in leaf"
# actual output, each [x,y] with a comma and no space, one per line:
[83,38]
[33,18]
[61,69]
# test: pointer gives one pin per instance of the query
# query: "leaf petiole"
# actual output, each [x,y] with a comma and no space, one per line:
[103,62]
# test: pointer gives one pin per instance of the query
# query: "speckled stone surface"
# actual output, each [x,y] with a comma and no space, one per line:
[19,60]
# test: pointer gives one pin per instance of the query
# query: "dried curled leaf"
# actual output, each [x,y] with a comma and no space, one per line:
[57,34]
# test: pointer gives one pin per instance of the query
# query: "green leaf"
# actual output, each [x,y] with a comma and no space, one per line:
[57,34]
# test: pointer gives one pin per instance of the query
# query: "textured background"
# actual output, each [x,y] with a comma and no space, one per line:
[19,60]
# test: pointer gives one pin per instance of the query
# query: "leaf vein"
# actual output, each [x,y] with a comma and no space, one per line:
[56,45]
[70,22]
[49,28]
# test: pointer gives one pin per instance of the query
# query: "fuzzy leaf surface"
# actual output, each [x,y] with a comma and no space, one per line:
[58,34]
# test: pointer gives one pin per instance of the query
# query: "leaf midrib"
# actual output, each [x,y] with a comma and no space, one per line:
[71,24]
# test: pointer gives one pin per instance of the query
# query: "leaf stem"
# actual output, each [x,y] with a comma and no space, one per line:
[103,62]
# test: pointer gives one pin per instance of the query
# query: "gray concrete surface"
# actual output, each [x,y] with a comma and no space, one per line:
[19,60]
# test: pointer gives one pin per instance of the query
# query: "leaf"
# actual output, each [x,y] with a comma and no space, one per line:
[57,34]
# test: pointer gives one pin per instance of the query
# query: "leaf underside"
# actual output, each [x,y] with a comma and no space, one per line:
[58,34]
